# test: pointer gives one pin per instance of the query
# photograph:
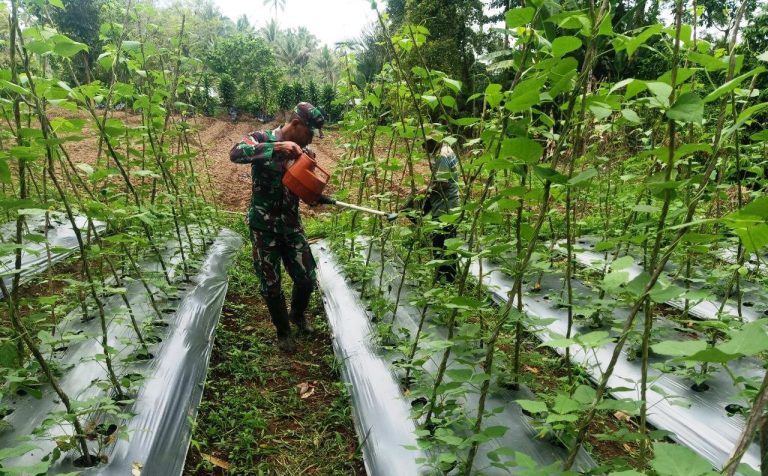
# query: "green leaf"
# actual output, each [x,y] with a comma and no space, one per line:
[583,177]
[593,339]
[522,148]
[661,91]
[614,279]
[561,75]
[525,95]
[754,236]
[750,340]
[547,173]
[453,84]
[459,375]
[14,87]
[131,45]
[731,85]
[449,101]
[630,115]
[20,450]
[495,431]
[636,42]
[66,47]
[674,460]
[688,108]
[519,16]
[622,263]
[466,121]
[564,45]
[677,348]
[659,294]
[709,62]
[532,406]
[5,172]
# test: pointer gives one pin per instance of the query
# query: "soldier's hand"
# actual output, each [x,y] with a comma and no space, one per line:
[289,150]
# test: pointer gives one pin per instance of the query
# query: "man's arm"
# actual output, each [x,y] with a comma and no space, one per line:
[251,150]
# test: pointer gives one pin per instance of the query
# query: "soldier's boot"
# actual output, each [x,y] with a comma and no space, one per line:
[299,302]
[279,315]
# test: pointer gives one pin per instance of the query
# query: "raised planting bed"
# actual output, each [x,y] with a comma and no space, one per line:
[381,412]
[56,237]
[701,420]
[507,428]
[148,433]
[755,299]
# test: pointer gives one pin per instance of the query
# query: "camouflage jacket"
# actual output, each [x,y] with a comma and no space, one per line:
[273,206]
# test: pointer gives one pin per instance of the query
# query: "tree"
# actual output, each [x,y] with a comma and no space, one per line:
[227,91]
[245,58]
[453,38]
[276,4]
[243,26]
[285,97]
[270,32]
[294,51]
[327,65]
[313,93]
[80,20]
[371,53]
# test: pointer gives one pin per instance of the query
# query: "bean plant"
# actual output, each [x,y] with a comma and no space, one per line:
[138,206]
[646,173]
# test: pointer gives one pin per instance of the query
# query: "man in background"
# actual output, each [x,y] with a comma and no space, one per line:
[440,196]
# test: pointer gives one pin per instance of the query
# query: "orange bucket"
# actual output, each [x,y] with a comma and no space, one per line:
[306,179]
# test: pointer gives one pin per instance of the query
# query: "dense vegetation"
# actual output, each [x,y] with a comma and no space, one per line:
[581,119]
[630,129]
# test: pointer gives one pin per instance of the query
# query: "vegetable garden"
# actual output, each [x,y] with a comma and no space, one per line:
[614,227]
[609,310]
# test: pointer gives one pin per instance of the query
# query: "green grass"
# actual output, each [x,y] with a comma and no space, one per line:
[252,415]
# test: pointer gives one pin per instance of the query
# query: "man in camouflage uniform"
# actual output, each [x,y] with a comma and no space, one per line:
[276,231]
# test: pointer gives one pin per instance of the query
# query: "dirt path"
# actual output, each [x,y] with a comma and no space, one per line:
[232,181]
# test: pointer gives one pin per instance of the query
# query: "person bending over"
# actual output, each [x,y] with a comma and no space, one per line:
[273,217]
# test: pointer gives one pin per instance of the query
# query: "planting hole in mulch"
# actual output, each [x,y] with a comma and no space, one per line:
[734,408]
[82,462]
[87,318]
[145,356]
[747,304]
[700,387]
[106,430]
[419,402]
[159,324]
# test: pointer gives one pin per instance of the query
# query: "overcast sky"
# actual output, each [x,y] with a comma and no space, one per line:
[329,20]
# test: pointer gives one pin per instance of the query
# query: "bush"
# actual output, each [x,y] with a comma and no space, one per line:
[328,104]
[227,91]
[313,93]
[299,93]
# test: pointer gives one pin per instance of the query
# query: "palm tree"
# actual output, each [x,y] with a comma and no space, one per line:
[293,53]
[326,63]
[242,25]
[271,32]
[276,4]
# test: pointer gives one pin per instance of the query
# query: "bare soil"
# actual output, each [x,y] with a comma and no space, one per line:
[231,181]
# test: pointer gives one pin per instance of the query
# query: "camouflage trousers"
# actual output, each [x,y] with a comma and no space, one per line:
[270,248]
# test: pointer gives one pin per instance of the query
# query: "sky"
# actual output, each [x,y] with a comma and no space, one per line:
[330,21]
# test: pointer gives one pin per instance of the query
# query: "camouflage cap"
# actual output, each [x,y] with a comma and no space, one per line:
[311,116]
